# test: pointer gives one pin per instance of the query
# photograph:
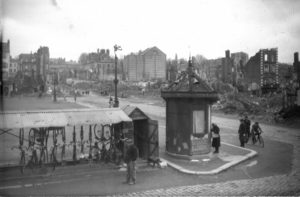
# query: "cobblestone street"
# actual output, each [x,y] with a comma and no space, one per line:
[287,184]
[268,186]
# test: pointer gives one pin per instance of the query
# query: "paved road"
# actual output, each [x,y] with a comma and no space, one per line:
[274,172]
[279,142]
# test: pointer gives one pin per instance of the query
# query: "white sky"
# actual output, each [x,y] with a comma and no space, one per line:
[207,27]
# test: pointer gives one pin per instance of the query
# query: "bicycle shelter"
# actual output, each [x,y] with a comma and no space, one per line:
[93,126]
[145,132]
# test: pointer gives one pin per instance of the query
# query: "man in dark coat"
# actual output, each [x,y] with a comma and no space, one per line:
[247,125]
[216,140]
[130,158]
[242,132]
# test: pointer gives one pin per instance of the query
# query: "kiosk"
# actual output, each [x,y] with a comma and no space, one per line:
[188,115]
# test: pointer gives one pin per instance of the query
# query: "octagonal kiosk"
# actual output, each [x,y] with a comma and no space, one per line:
[188,115]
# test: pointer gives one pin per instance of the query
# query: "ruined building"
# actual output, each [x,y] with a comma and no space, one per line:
[42,61]
[261,71]
[239,61]
[5,51]
[227,68]
[149,64]
[35,65]
[296,66]
[97,65]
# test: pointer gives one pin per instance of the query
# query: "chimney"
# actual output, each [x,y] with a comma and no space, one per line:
[296,57]
[227,53]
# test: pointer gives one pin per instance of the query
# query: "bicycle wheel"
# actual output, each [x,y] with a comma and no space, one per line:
[253,138]
[22,162]
[63,152]
[33,160]
[42,160]
[53,159]
[261,141]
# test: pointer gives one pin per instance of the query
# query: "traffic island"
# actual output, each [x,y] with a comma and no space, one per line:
[210,164]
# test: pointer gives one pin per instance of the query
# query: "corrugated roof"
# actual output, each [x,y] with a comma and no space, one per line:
[70,117]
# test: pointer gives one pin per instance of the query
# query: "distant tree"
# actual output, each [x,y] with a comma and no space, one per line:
[83,58]
[199,61]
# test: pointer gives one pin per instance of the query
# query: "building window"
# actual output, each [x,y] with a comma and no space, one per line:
[266,57]
[272,68]
[5,65]
[266,68]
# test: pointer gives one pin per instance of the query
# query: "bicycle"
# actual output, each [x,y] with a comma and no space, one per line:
[22,162]
[258,139]
[23,149]
[41,137]
[33,161]
[33,158]
[53,159]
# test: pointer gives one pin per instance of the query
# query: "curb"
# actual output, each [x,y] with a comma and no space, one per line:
[217,170]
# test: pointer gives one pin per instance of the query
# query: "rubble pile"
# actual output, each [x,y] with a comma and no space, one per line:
[262,108]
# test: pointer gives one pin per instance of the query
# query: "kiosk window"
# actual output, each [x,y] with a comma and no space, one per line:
[198,122]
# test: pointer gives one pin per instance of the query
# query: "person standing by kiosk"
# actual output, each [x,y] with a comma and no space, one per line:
[130,158]
[216,140]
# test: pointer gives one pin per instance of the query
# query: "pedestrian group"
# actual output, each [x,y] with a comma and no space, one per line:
[244,133]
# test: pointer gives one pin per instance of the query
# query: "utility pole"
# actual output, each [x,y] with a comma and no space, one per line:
[116,48]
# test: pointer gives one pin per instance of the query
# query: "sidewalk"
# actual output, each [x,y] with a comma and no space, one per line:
[210,164]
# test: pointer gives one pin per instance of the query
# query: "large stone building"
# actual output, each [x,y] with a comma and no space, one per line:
[262,70]
[149,64]
[14,67]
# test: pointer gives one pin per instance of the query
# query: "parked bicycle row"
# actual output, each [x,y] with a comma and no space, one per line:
[47,146]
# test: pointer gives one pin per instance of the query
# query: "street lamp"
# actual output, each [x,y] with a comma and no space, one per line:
[54,88]
[116,48]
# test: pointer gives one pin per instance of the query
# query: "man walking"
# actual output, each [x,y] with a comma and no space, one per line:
[242,132]
[130,158]
[247,123]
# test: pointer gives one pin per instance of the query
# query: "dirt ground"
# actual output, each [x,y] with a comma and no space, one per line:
[25,103]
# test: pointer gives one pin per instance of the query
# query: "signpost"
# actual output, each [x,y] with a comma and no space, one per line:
[116,48]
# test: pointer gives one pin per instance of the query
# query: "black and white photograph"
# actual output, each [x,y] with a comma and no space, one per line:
[150,98]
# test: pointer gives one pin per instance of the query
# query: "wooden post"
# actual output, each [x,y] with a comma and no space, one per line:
[74,145]
[90,140]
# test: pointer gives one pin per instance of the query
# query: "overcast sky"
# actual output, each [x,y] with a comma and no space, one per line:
[207,27]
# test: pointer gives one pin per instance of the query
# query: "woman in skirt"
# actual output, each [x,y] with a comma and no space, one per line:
[216,140]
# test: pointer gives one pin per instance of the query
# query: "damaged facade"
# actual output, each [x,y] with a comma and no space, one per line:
[261,71]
